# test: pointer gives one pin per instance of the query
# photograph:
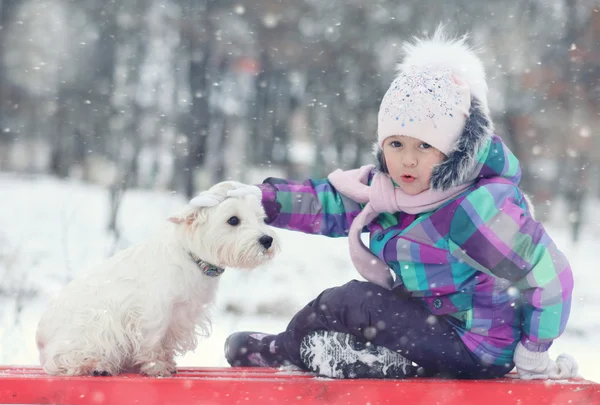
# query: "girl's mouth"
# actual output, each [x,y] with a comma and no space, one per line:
[407,178]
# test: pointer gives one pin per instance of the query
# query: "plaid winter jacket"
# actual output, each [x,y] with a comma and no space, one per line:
[481,258]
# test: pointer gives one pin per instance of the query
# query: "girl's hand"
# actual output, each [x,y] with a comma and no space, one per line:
[539,366]
[241,190]
[206,199]
[220,191]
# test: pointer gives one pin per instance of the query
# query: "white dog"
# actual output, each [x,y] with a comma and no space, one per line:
[150,302]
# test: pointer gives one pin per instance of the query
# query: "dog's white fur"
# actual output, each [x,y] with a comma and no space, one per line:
[150,302]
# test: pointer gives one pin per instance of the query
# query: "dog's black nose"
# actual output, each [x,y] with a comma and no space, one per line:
[266,241]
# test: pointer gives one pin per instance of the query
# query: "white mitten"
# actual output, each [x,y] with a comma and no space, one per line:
[539,366]
[241,190]
[206,199]
[216,194]
[567,366]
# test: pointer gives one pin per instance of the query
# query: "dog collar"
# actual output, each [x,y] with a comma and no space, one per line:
[207,268]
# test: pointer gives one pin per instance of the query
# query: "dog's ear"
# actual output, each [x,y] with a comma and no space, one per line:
[188,216]
[180,220]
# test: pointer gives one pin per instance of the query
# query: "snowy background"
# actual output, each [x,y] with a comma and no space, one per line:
[114,113]
[51,228]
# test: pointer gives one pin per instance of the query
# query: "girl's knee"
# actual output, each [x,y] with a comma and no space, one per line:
[353,294]
[364,289]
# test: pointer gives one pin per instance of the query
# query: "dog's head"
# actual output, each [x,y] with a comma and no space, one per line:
[230,234]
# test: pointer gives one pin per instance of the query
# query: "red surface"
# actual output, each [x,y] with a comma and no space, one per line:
[248,386]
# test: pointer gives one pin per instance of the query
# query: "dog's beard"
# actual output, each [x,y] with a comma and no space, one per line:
[240,249]
[216,241]
[244,255]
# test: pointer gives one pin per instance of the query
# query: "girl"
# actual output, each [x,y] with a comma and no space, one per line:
[461,278]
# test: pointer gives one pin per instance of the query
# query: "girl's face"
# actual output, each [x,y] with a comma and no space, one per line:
[410,162]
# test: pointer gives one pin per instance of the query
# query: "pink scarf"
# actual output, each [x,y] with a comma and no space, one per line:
[381,196]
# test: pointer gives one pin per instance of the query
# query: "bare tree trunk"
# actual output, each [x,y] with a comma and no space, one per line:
[7,8]
[60,161]
[282,99]
[260,128]
[199,45]
[317,122]
[131,38]
[215,145]
[579,163]
[96,133]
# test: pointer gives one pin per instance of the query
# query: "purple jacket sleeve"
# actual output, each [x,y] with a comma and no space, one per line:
[313,206]
[493,232]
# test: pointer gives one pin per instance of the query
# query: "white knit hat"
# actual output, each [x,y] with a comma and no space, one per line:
[427,104]
[439,97]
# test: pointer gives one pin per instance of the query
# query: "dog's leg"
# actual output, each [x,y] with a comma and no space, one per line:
[169,358]
[149,331]
[182,334]
[154,362]
[151,357]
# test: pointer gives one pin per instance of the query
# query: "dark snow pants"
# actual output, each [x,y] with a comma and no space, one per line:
[389,319]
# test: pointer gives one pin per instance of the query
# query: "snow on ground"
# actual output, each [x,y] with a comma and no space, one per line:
[52,230]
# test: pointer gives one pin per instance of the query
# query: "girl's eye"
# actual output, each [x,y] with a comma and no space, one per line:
[233,221]
[395,144]
[425,145]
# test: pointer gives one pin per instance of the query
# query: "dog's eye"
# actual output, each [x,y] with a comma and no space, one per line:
[233,221]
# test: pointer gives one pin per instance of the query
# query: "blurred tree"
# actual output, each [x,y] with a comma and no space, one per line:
[198,91]
[7,8]
[197,34]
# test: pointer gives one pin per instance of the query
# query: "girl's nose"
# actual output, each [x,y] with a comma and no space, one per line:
[409,160]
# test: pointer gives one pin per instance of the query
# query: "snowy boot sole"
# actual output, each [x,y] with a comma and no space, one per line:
[340,355]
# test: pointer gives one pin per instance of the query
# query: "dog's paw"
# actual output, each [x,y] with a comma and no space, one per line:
[158,369]
[172,366]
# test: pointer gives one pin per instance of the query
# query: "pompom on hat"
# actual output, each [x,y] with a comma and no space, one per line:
[439,97]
